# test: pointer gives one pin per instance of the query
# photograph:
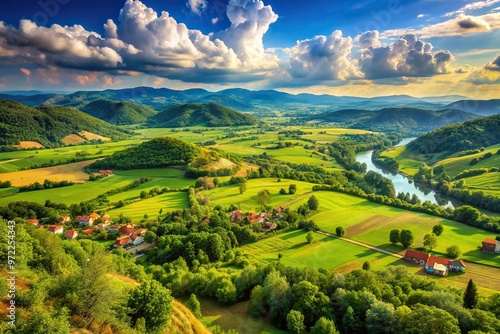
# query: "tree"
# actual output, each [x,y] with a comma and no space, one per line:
[406,238]
[277,296]
[313,203]
[292,189]
[339,231]
[430,241]
[152,302]
[394,236]
[453,251]
[367,265]
[324,326]
[470,296]
[438,229]
[194,305]
[283,191]
[436,321]
[310,237]
[263,198]
[243,187]
[295,322]
[380,318]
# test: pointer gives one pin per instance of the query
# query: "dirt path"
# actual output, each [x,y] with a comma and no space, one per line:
[11,160]
[399,256]
[297,199]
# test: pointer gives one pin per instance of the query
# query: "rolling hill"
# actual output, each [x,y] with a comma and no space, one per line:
[403,120]
[158,152]
[192,114]
[479,107]
[118,112]
[472,134]
[48,124]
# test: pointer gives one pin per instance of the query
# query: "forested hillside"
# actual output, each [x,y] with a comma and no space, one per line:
[402,120]
[473,134]
[118,112]
[159,152]
[48,124]
[193,114]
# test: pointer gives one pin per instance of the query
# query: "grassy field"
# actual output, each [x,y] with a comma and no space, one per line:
[328,253]
[488,182]
[234,317]
[162,177]
[408,162]
[26,159]
[151,206]
[264,141]
[371,223]
[247,201]
[455,165]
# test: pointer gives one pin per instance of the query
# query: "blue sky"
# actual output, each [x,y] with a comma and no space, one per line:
[361,48]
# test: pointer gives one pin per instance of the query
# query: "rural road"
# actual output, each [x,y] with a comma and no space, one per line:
[399,256]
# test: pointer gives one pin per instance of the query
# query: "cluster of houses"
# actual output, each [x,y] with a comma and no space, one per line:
[434,264]
[128,235]
[491,246]
[267,221]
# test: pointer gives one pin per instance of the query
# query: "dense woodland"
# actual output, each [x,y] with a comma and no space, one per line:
[192,114]
[48,125]
[473,134]
[118,112]
[158,152]
[407,121]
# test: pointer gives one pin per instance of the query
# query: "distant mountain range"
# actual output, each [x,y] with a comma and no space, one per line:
[236,98]
[403,120]
[193,114]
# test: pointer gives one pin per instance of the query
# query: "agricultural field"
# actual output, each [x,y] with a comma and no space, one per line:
[456,165]
[225,196]
[161,177]
[234,317]
[14,161]
[488,182]
[408,162]
[326,252]
[152,206]
[371,223]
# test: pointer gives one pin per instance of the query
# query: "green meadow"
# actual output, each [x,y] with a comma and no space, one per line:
[488,182]
[455,165]
[14,161]
[225,196]
[152,206]
[326,252]
[161,177]
[371,223]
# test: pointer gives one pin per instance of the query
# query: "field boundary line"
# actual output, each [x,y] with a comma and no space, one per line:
[380,250]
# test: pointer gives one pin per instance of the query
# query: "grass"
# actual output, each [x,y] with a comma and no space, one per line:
[408,163]
[247,201]
[455,165]
[151,206]
[26,159]
[371,223]
[327,252]
[234,317]
[162,177]
[488,182]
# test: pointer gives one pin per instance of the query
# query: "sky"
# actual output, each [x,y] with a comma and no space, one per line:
[356,48]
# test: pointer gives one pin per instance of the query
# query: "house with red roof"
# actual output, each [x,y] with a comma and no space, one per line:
[106,172]
[88,231]
[71,234]
[491,246]
[55,229]
[34,222]
[87,220]
[236,216]
[122,241]
[416,257]
[63,219]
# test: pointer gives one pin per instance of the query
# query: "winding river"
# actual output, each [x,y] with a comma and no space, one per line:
[402,183]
